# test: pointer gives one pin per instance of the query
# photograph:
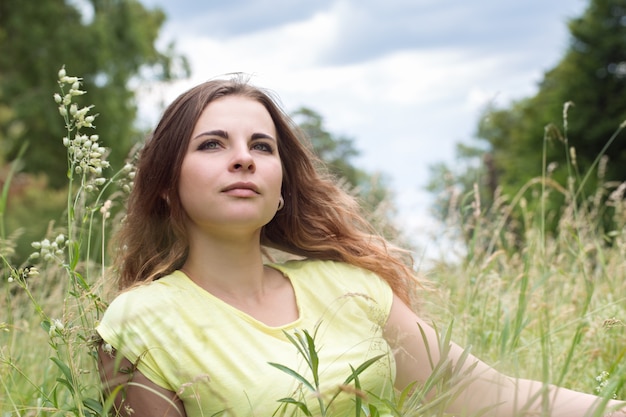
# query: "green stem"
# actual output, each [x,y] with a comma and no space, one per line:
[4,198]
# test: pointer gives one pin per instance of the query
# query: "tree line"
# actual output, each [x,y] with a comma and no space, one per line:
[566,137]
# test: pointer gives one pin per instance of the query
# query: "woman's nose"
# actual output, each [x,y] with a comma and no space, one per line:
[242,160]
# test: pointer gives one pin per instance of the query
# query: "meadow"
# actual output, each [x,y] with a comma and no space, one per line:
[531,302]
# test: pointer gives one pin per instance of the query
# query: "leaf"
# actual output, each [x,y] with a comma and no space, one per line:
[93,405]
[64,381]
[107,407]
[356,372]
[46,325]
[373,411]
[69,380]
[75,249]
[314,359]
[81,281]
[302,406]
[406,393]
[297,344]
[357,386]
[294,374]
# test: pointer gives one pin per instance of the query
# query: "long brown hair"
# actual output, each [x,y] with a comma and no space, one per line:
[319,220]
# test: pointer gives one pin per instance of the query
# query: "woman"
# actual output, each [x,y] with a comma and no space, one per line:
[203,326]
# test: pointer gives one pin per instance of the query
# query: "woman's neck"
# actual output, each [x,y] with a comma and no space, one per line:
[230,266]
[233,270]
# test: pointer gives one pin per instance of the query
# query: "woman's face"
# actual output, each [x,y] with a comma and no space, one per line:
[231,174]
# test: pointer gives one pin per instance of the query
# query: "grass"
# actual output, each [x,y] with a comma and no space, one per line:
[547,306]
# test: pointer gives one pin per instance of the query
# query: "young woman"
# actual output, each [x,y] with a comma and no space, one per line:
[204,322]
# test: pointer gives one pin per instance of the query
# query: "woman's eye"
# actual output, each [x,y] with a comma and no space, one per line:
[263,147]
[208,145]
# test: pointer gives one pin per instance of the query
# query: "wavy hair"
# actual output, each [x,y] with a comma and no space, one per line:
[319,220]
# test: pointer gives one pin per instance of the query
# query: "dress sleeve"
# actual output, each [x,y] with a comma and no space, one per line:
[132,328]
[376,294]
[381,292]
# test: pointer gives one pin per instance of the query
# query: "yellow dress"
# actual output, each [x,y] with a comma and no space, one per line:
[219,359]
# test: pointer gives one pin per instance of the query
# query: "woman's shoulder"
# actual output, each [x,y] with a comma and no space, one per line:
[316,266]
[334,272]
[151,293]
[322,282]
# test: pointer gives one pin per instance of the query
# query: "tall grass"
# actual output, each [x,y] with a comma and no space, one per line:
[537,303]
[53,301]
[547,306]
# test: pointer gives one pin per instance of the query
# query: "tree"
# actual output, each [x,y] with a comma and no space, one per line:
[588,86]
[337,152]
[111,43]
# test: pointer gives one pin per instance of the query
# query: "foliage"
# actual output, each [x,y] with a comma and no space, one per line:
[518,142]
[546,306]
[337,153]
[110,42]
[430,398]
[59,291]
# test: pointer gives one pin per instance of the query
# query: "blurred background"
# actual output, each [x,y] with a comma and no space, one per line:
[422,106]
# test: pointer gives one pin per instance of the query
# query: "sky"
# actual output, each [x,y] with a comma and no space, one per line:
[405,79]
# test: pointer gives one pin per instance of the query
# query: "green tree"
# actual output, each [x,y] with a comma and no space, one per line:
[111,43]
[579,106]
[338,152]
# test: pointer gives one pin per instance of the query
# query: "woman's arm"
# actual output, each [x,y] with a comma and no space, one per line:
[484,389]
[135,395]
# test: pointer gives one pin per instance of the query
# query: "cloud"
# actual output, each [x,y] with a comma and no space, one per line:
[372,28]
[225,19]
[365,30]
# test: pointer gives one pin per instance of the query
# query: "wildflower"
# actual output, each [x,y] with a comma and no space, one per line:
[612,322]
[126,181]
[105,210]
[603,382]
[50,250]
[107,348]
[618,193]
[87,157]
[68,80]
[58,324]
[565,112]
[572,154]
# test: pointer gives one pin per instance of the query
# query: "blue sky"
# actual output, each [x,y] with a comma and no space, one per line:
[406,79]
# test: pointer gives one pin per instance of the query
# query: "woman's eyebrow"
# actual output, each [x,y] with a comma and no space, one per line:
[218,132]
[262,136]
